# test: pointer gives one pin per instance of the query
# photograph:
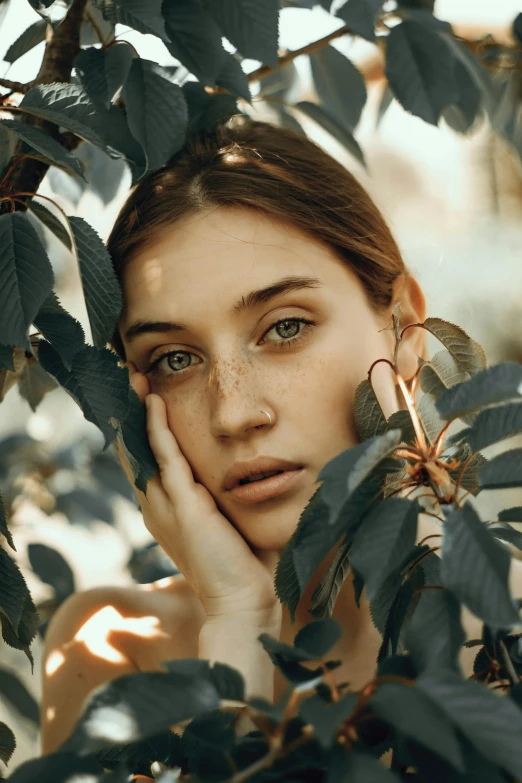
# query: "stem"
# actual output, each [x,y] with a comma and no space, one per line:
[417,426]
[14,164]
[508,663]
[461,474]
[421,558]
[433,535]
[440,440]
[16,86]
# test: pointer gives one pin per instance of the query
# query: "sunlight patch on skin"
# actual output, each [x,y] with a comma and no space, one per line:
[113,723]
[54,662]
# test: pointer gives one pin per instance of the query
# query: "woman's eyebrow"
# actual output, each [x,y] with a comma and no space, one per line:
[252,300]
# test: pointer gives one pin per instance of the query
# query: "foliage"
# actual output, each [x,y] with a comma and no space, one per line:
[94,94]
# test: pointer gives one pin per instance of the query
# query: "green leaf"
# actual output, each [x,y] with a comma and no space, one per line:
[60,329]
[503,471]
[102,72]
[156,111]
[462,114]
[468,354]
[517,28]
[34,383]
[413,713]
[326,717]
[434,635]
[360,18]
[357,767]
[469,480]
[8,144]
[30,38]
[102,290]
[491,426]
[386,533]
[4,529]
[513,514]
[142,15]
[51,222]
[26,277]
[401,607]
[13,590]
[7,742]
[432,422]
[476,568]
[194,39]
[135,442]
[20,638]
[252,26]
[369,417]
[95,382]
[51,149]
[325,594]
[6,357]
[441,372]
[279,83]
[506,533]
[234,79]
[53,569]
[419,68]
[9,378]
[492,724]
[500,383]
[318,637]
[401,420]
[332,125]
[340,86]
[387,98]
[207,111]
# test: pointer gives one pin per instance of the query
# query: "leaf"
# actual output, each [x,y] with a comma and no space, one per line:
[9,378]
[194,39]
[387,98]
[419,69]
[6,357]
[468,354]
[52,568]
[507,533]
[58,767]
[491,426]
[30,38]
[34,383]
[517,28]
[7,742]
[233,78]
[435,634]
[51,222]
[327,717]
[441,372]
[95,382]
[156,111]
[102,290]
[401,420]
[331,124]
[469,479]
[492,724]
[360,18]
[317,638]
[279,82]
[139,705]
[228,682]
[26,277]
[413,713]
[207,111]
[102,72]
[3,525]
[51,149]
[325,594]
[358,767]
[402,607]
[500,383]
[13,590]
[513,514]
[462,114]
[387,531]
[476,567]
[13,689]
[142,15]
[60,329]
[368,414]
[503,471]
[340,86]
[135,443]
[252,26]
[20,638]
[432,422]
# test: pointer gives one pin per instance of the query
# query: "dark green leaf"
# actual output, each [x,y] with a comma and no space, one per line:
[51,222]
[233,78]
[35,383]
[318,637]
[507,533]
[513,514]
[491,426]
[104,174]
[135,443]
[476,568]
[359,16]
[332,125]
[287,120]
[83,504]
[340,87]
[441,372]
[327,717]
[469,479]
[432,422]
[207,111]
[500,383]
[60,329]
[384,104]
[26,277]
[142,15]
[102,72]
[401,420]
[30,38]
[468,354]
[58,767]
[9,378]
[7,742]
[369,418]
[102,290]
[517,28]
[13,589]
[6,357]
[3,525]
[20,638]
[279,83]
[493,724]
[228,682]
[400,611]
[386,533]
[52,568]
[325,594]
[462,114]
[194,39]
[156,111]
[419,68]
[252,26]
[95,382]
[357,767]
[45,145]
[503,471]
[434,635]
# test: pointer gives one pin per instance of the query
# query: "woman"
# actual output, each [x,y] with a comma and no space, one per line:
[259,279]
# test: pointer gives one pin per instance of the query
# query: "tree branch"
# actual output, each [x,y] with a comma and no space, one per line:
[16,86]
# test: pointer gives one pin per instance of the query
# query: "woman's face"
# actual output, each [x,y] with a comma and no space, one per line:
[230,363]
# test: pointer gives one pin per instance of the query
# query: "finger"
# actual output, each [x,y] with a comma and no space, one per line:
[138,381]
[174,468]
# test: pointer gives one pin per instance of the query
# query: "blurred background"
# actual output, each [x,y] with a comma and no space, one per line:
[454,203]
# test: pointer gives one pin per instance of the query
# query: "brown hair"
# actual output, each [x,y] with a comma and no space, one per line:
[245,162]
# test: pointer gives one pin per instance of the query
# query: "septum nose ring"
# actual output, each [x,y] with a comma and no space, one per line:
[269,417]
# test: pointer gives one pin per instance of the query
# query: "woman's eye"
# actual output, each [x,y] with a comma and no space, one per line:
[291,330]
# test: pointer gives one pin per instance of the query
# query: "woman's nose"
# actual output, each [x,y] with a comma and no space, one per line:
[236,399]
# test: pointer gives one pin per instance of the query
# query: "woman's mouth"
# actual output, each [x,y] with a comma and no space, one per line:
[266,486]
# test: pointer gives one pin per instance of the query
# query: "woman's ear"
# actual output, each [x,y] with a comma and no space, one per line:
[413,343]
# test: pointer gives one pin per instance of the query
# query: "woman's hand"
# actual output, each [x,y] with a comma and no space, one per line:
[181,514]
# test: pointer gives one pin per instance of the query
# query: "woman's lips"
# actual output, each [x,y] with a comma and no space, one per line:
[265,489]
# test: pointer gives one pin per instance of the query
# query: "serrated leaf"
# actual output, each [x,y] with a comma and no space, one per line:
[318,637]
[60,329]
[51,149]
[462,114]
[468,354]
[432,422]
[279,82]
[13,589]
[441,372]
[156,111]
[325,594]
[30,38]
[35,383]
[252,26]
[51,567]
[9,378]
[497,384]
[476,567]
[517,27]
[434,635]
[401,420]
[4,529]
[413,713]
[142,15]
[326,717]
[503,471]
[491,426]
[358,767]
[21,638]
[135,442]
[51,222]
[469,479]
[101,288]
[369,417]
[400,608]
[7,742]
[7,357]
[194,39]
[339,85]
[360,18]
[331,124]
[102,72]
[234,79]
[26,277]
[419,69]
[506,533]
[513,514]
[95,382]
